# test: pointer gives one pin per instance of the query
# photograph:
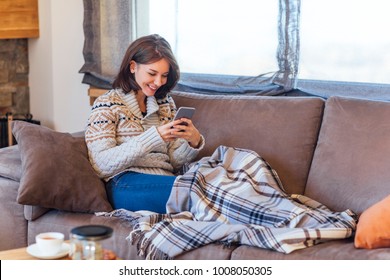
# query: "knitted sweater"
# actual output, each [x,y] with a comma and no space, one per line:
[119,138]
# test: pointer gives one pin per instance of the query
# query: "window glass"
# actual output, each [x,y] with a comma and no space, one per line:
[345,40]
[219,36]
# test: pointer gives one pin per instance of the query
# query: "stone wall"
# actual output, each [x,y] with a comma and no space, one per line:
[14,69]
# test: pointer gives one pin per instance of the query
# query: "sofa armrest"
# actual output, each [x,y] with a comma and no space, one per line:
[13,229]
[32,212]
[10,163]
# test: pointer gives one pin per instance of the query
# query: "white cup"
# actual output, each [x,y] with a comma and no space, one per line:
[49,243]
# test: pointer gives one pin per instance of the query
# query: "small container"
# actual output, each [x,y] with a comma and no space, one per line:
[85,242]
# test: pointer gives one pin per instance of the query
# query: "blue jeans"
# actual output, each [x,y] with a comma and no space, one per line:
[136,191]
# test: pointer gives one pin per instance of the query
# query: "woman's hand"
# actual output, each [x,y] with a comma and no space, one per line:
[183,128]
[166,132]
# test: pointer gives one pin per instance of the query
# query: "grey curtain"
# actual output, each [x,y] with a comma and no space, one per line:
[108,32]
[288,50]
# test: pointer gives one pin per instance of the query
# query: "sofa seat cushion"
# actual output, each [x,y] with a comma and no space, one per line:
[64,221]
[351,163]
[56,172]
[282,130]
[342,249]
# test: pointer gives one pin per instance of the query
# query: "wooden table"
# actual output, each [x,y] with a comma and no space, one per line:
[19,254]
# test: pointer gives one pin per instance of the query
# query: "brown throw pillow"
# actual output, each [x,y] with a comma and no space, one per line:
[56,172]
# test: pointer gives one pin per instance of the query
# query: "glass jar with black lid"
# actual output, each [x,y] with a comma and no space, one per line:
[85,242]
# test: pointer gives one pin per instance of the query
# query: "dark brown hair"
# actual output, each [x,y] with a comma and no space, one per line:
[147,50]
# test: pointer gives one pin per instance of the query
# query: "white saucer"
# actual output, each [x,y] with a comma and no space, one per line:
[34,251]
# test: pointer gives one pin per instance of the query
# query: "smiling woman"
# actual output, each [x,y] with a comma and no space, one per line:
[133,142]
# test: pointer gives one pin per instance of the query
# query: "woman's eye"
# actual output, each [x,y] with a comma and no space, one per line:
[152,74]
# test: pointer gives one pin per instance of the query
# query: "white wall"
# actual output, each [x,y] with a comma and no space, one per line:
[57,97]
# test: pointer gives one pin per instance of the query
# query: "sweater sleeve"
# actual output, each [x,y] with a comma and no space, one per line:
[181,152]
[106,155]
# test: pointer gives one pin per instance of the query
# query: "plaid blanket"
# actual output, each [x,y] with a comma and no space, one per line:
[234,197]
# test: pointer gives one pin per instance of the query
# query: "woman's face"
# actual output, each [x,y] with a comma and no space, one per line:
[150,77]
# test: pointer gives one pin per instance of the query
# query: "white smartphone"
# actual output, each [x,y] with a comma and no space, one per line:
[184,112]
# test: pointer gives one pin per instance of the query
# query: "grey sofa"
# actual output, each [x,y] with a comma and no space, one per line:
[335,151]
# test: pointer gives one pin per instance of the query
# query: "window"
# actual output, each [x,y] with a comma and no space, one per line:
[251,46]
[345,40]
[216,37]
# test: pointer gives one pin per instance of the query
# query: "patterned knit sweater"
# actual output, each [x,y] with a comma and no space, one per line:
[119,138]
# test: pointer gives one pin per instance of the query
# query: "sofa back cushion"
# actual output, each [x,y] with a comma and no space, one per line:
[351,165]
[282,130]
